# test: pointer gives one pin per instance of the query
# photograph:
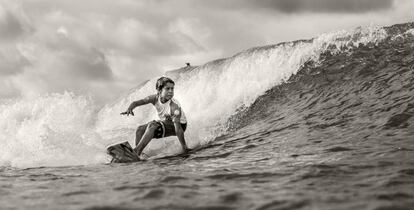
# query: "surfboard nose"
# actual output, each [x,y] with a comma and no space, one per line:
[122,153]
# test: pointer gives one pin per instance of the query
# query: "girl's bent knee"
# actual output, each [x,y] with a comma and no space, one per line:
[152,125]
[141,128]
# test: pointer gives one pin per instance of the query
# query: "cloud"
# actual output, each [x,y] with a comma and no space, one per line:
[12,62]
[189,34]
[54,50]
[61,63]
[301,6]
[91,65]
[10,27]
[13,27]
[326,6]
[13,23]
[8,89]
[56,58]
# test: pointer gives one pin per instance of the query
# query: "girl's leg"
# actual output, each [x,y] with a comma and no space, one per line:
[146,138]
[139,133]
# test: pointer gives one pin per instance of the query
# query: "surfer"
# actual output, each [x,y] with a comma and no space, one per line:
[172,118]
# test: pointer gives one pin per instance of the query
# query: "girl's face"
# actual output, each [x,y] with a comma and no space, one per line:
[167,92]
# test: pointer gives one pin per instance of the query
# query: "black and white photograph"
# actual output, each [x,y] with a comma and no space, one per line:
[207,104]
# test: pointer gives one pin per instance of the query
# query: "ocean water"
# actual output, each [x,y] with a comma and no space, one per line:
[325,123]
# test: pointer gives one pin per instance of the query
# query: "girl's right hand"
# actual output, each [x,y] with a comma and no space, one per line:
[128,112]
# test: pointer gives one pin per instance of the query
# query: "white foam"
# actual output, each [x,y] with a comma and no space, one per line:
[410,32]
[52,130]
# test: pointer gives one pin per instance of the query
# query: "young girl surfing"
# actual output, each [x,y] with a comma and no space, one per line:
[172,118]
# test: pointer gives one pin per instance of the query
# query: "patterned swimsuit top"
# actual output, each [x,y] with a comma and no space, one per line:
[170,110]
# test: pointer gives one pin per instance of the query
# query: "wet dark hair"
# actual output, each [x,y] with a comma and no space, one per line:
[162,81]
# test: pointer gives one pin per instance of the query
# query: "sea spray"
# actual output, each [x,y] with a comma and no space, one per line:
[55,129]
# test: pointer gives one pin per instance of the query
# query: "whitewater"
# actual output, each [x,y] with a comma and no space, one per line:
[324,123]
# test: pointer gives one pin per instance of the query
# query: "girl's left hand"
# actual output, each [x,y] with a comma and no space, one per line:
[128,112]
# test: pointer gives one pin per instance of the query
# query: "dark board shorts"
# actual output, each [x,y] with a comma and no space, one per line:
[164,128]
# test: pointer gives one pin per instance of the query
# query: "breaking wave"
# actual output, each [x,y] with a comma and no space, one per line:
[219,97]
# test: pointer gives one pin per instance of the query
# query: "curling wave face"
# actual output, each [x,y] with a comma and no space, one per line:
[211,93]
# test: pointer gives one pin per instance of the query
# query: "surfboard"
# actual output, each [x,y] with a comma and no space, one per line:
[122,153]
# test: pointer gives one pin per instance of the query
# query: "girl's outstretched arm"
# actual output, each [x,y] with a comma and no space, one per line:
[133,105]
[176,112]
[180,134]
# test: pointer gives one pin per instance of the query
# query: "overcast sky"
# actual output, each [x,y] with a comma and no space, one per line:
[106,47]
